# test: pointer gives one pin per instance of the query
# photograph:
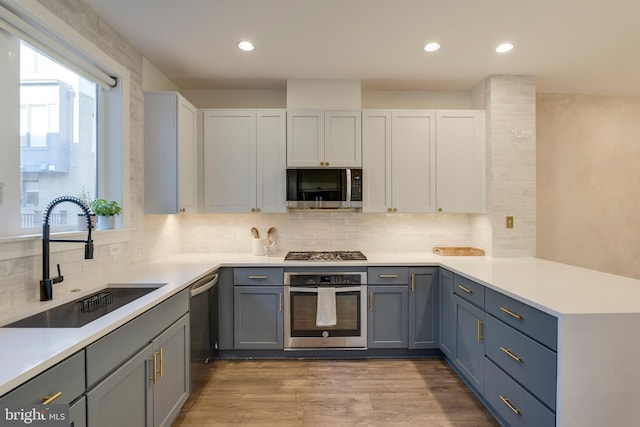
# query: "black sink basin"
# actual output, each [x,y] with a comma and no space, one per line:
[78,313]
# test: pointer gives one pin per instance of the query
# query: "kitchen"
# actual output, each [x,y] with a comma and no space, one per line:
[595,217]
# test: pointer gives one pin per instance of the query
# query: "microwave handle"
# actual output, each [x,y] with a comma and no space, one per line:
[348,198]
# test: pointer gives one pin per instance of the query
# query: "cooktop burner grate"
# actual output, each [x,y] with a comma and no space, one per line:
[325,256]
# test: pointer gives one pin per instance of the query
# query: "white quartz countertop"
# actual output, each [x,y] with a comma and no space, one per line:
[558,289]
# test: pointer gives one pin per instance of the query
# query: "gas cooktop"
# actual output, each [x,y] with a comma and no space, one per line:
[325,256]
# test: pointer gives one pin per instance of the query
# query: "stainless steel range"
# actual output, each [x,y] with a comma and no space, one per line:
[325,256]
[306,304]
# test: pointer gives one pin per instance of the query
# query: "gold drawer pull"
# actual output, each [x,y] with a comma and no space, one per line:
[370,301]
[467,290]
[280,301]
[257,277]
[388,276]
[480,337]
[513,408]
[413,281]
[511,355]
[511,313]
[48,399]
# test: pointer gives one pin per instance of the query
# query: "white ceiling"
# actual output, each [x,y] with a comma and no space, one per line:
[576,46]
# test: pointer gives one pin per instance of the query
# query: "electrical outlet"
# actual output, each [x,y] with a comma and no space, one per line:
[115,249]
[509,222]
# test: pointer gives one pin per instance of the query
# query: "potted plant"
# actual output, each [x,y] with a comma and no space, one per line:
[106,212]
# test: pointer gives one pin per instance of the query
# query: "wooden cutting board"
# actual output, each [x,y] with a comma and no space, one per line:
[457,251]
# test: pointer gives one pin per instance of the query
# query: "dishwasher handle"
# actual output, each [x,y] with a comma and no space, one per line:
[204,285]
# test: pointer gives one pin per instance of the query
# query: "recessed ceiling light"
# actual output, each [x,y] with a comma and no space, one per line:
[245,45]
[504,47]
[432,47]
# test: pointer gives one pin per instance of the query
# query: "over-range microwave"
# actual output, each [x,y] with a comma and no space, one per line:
[325,188]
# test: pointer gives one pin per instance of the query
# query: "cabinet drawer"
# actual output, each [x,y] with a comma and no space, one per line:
[110,351]
[528,362]
[66,377]
[538,325]
[388,275]
[258,276]
[519,408]
[469,290]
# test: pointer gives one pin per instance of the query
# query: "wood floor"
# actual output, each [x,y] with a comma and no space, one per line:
[334,393]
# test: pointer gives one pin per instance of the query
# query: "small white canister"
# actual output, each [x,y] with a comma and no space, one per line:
[258,246]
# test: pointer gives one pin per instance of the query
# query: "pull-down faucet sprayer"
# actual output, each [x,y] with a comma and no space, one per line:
[46,284]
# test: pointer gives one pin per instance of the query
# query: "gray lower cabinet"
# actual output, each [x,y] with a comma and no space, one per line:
[138,375]
[387,317]
[447,314]
[150,388]
[258,319]
[225,308]
[124,398]
[423,308]
[469,354]
[171,387]
[64,383]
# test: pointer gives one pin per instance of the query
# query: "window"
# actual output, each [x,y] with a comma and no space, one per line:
[58,141]
[64,123]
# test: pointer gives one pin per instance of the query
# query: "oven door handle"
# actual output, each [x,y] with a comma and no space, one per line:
[338,289]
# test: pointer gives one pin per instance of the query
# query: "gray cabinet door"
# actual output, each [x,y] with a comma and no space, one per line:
[423,308]
[225,308]
[172,386]
[447,314]
[388,314]
[78,413]
[470,343]
[258,317]
[124,398]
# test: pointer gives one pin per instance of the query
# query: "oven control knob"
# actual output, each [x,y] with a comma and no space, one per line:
[325,334]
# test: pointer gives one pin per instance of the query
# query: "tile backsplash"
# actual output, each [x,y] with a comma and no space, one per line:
[329,231]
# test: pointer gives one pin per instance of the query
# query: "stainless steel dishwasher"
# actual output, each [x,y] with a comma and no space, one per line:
[204,327]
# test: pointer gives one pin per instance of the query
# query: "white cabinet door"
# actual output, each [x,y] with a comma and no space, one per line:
[376,160]
[271,163]
[305,138]
[317,138]
[342,139]
[413,156]
[169,153]
[461,161]
[187,188]
[229,160]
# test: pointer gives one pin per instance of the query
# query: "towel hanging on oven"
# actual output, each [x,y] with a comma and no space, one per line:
[326,307]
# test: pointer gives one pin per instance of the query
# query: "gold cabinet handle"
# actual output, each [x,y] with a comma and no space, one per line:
[161,363]
[413,281]
[513,408]
[439,209]
[511,355]
[154,378]
[511,313]
[257,277]
[48,399]
[388,276]
[321,163]
[467,290]
[480,337]
[183,210]
[370,301]
[280,301]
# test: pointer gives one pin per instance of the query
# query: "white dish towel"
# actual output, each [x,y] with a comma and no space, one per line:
[326,308]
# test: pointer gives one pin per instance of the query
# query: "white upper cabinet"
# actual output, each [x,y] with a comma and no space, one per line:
[376,160]
[169,154]
[244,160]
[461,182]
[317,138]
[413,161]
[423,161]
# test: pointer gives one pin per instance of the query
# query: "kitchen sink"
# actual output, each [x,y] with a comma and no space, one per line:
[81,311]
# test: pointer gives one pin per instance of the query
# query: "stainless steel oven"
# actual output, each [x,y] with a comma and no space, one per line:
[301,330]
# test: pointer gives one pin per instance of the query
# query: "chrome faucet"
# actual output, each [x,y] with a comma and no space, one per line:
[46,284]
